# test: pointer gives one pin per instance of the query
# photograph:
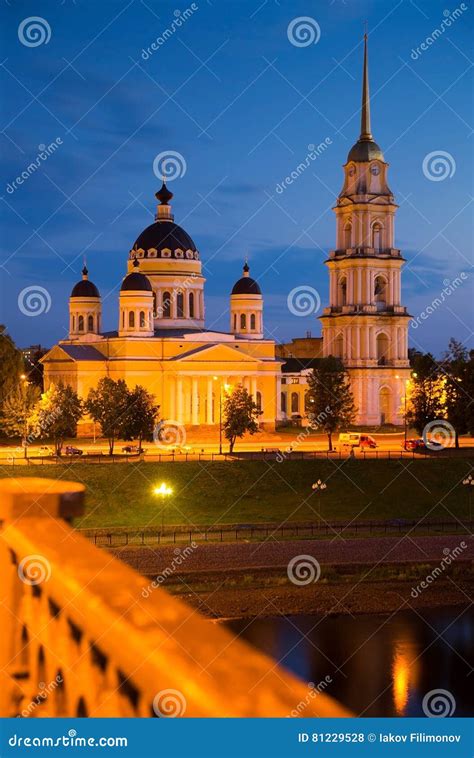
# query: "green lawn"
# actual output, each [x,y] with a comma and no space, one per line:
[250,491]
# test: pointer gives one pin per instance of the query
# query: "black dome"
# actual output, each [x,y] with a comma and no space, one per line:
[136,281]
[85,288]
[162,235]
[364,151]
[246,286]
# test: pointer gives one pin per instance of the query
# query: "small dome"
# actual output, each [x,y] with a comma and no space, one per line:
[364,151]
[85,288]
[136,281]
[246,285]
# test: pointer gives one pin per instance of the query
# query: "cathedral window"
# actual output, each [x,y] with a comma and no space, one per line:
[252,322]
[347,236]
[90,323]
[73,323]
[295,402]
[377,236]
[166,305]
[191,305]
[131,319]
[154,304]
[180,305]
[80,324]
[382,349]
[283,402]
[343,291]
[142,320]
[258,401]
[235,322]
[243,321]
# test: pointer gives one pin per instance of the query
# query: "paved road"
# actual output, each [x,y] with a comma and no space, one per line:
[221,557]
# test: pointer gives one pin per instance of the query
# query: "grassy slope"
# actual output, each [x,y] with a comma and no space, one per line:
[250,491]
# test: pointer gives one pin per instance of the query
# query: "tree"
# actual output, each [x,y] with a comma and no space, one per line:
[240,415]
[16,411]
[329,398]
[108,405]
[11,365]
[56,415]
[141,416]
[458,367]
[426,392]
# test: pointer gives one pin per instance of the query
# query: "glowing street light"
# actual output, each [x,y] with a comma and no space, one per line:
[319,487]
[164,491]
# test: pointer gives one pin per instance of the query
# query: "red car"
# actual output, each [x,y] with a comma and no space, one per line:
[414,444]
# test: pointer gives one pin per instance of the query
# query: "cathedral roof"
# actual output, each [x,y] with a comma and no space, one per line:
[246,285]
[136,281]
[85,288]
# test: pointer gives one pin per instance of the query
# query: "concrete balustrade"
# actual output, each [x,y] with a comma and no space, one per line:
[79,639]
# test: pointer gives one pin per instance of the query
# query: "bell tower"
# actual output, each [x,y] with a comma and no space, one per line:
[366,324]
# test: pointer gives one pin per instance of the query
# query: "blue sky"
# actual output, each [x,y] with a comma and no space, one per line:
[241,104]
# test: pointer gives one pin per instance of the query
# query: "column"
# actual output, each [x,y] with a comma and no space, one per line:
[172,398]
[350,287]
[368,293]
[348,336]
[278,397]
[359,299]
[367,342]
[209,418]
[194,401]
[373,347]
[253,388]
[357,342]
[179,399]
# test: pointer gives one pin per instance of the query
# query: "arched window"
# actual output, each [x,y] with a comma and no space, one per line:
[382,349]
[295,402]
[80,324]
[180,305]
[347,236]
[252,322]
[123,319]
[154,303]
[142,320]
[191,305]
[235,322]
[343,291]
[90,323]
[283,402]
[131,319]
[377,236]
[258,401]
[243,321]
[166,305]
[339,346]
[380,292]
[73,323]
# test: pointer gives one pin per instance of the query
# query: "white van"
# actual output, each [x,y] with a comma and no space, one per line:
[355,439]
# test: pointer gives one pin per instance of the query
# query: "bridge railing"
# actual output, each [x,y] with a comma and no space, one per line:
[79,638]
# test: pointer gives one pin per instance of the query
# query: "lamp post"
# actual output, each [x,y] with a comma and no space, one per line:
[469,482]
[319,487]
[226,388]
[164,491]
[405,399]
[25,383]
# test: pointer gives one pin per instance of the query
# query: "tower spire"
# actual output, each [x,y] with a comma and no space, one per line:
[365,132]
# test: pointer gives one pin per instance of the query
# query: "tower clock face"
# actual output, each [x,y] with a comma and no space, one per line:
[375,170]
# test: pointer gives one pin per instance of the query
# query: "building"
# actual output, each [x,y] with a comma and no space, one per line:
[161,341]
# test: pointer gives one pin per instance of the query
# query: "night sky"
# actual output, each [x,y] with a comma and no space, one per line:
[230,93]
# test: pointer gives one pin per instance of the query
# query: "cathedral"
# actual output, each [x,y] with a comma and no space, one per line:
[161,341]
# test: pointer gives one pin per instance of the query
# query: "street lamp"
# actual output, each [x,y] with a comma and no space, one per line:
[319,487]
[164,491]
[405,398]
[25,381]
[469,482]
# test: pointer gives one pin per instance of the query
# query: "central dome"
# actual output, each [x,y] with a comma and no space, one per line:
[165,236]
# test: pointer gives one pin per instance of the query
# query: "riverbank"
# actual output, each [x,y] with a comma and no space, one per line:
[380,575]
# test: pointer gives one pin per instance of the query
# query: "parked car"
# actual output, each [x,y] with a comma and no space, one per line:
[355,439]
[135,449]
[46,450]
[71,450]
[414,444]
[181,449]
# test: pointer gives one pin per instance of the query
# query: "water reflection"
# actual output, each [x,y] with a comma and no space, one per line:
[380,665]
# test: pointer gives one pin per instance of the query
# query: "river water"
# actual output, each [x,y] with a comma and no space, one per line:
[379,665]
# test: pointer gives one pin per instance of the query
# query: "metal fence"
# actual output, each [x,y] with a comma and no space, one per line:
[122,536]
